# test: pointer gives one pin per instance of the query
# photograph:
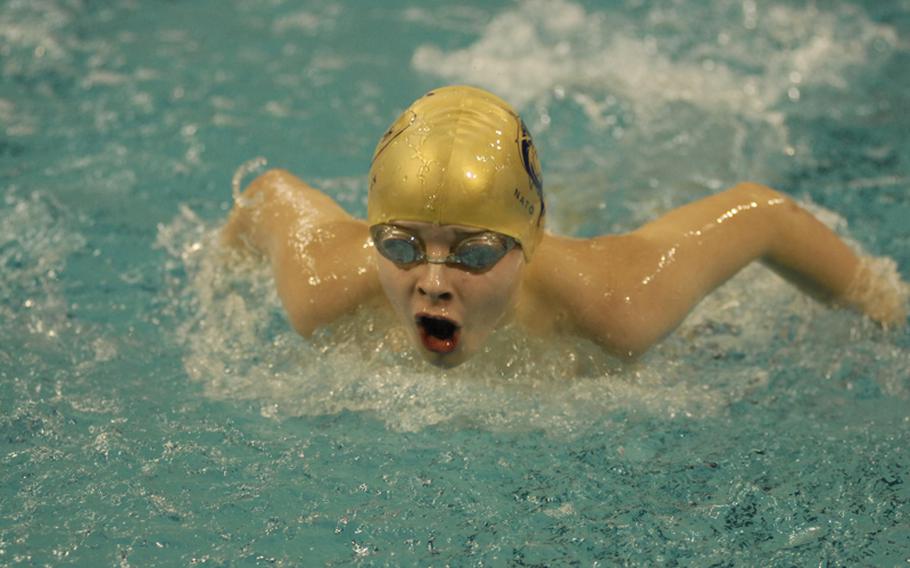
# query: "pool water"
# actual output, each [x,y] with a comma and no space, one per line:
[157,409]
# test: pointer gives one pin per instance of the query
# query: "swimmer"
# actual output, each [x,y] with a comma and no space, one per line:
[454,243]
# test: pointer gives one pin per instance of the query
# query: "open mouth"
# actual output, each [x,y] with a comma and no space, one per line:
[438,334]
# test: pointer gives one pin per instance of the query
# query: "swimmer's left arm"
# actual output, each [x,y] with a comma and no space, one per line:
[659,272]
[692,250]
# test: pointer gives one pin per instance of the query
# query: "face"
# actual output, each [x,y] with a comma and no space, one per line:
[449,311]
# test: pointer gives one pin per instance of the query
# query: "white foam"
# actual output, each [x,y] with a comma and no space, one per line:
[463,19]
[540,47]
[307,21]
[657,106]
[35,25]
[297,22]
[34,244]
[240,347]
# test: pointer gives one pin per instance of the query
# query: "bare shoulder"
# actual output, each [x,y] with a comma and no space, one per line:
[583,286]
[325,271]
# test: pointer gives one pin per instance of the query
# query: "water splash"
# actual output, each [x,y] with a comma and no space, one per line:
[672,95]
[544,49]
[239,346]
[249,167]
[35,242]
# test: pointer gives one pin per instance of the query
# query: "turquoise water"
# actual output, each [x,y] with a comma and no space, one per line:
[155,408]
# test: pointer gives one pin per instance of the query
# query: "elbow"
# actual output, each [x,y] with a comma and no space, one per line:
[752,186]
[271,177]
[303,323]
[263,183]
[308,316]
[628,343]
[266,183]
[632,348]
[632,330]
[768,197]
[760,193]
[300,312]
[629,354]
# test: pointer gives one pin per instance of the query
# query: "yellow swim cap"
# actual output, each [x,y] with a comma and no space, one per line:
[461,156]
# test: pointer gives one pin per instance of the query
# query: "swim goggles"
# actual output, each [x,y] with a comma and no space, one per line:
[475,253]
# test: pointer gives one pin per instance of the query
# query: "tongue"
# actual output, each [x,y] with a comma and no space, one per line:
[437,344]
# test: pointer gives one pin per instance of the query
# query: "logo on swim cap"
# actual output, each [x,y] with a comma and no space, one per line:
[532,164]
[401,124]
[529,158]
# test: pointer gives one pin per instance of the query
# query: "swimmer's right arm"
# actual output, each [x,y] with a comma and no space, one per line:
[320,255]
[271,205]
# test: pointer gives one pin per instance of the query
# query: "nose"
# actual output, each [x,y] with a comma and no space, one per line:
[433,283]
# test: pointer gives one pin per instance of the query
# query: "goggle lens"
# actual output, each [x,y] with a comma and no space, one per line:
[479,254]
[475,253]
[400,250]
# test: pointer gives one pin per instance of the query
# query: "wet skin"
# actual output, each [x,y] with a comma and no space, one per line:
[475,303]
[623,291]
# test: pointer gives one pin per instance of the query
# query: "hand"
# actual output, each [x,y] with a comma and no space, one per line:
[878,291]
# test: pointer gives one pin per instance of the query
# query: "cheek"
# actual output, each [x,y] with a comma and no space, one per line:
[394,281]
[497,298]
[492,297]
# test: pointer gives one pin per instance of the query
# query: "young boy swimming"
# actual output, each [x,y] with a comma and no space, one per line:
[455,242]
